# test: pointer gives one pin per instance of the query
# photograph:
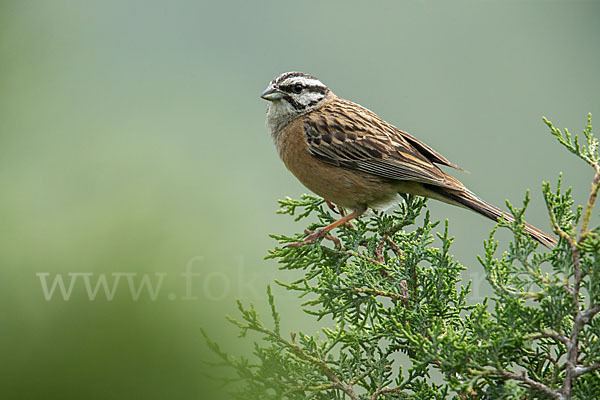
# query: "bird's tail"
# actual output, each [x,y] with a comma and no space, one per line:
[468,200]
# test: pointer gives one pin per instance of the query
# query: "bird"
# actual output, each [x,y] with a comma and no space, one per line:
[351,157]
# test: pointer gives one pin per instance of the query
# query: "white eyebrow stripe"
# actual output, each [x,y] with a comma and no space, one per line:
[303,81]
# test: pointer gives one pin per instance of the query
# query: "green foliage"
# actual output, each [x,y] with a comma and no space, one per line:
[389,292]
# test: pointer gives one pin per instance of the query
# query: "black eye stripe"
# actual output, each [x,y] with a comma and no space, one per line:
[287,88]
[318,89]
[314,88]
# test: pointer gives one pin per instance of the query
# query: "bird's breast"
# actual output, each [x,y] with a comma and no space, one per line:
[345,187]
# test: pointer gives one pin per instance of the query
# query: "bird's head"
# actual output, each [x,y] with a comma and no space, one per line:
[291,95]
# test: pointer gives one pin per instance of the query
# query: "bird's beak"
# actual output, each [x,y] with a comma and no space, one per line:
[271,93]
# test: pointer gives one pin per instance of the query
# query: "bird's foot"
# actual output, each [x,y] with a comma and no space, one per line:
[313,236]
[331,206]
[350,226]
[347,224]
[342,212]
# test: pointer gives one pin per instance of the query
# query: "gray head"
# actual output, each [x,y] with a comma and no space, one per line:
[291,95]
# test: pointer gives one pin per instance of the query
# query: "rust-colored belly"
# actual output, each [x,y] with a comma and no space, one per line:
[347,188]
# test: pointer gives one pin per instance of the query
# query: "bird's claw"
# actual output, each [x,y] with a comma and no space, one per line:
[313,236]
[310,239]
[331,206]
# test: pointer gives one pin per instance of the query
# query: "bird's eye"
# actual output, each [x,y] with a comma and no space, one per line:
[297,88]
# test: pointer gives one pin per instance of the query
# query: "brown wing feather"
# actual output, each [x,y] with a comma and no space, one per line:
[345,134]
[431,154]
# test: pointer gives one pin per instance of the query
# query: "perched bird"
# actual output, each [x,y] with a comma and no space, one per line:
[351,157]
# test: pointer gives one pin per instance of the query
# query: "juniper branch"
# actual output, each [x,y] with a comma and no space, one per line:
[390,287]
[522,377]
[556,336]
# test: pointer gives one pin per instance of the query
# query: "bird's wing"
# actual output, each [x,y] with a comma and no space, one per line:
[345,134]
[428,152]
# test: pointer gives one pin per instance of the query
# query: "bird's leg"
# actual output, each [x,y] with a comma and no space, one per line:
[331,206]
[348,224]
[320,233]
[340,210]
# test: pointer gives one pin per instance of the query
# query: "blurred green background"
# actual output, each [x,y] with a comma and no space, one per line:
[132,140]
